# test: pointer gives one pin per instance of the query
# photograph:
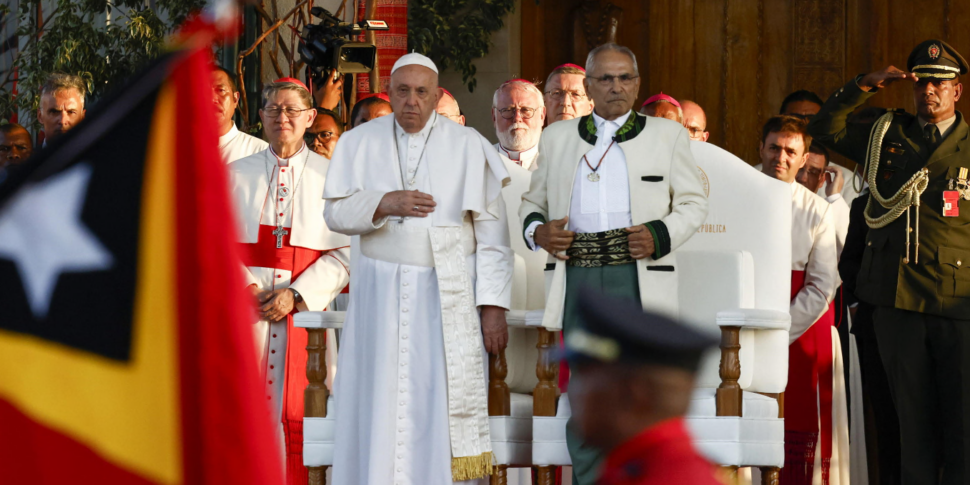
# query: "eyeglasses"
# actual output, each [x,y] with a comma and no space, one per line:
[559,94]
[274,111]
[309,137]
[525,113]
[607,80]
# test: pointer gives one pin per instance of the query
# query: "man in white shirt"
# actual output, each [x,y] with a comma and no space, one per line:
[614,195]
[815,408]
[233,144]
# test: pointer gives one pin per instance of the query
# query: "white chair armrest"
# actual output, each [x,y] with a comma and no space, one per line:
[319,319]
[754,318]
[524,319]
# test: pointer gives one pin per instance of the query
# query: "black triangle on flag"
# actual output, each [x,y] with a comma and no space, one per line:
[69,226]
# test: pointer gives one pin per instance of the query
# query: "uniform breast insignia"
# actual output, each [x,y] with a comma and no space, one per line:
[957,189]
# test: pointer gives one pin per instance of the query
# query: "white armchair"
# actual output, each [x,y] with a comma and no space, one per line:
[735,280]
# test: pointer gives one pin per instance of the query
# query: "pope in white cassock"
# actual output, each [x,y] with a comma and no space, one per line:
[424,194]
[293,262]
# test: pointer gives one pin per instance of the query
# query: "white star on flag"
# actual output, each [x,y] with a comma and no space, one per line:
[42,233]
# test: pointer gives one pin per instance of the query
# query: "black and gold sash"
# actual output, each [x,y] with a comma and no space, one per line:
[595,249]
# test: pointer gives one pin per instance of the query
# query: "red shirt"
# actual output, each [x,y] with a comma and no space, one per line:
[663,454]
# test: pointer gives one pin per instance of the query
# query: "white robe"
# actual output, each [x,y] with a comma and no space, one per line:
[391,391]
[235,145]
[815,251]
[528,282]
[305,174]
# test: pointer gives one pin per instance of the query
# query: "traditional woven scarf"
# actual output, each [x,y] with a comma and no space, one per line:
[595,249]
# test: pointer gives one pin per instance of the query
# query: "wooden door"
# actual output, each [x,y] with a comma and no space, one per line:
[739,58]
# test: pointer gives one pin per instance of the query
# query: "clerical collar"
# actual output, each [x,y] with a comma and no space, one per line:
[598,120]
[518,156]
[284,161]
[228,137]
[944,126]
[424,131]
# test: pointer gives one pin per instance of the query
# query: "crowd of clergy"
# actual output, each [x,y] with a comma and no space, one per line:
[411,223]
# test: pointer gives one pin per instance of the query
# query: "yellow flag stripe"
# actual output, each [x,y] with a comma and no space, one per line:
[127,412]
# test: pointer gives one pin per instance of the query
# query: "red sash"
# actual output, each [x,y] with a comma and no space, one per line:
[265,254]
[809,388]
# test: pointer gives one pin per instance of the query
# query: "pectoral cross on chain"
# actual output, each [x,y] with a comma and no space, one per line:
[279,232]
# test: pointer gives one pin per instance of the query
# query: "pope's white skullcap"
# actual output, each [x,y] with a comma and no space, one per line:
[414,59]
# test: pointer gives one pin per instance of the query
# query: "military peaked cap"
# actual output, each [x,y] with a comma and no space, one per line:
[936,59]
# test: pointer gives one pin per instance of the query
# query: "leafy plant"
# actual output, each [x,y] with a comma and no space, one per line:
[453,33]
[74,38]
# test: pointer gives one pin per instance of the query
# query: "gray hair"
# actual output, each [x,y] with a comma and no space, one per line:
[518,83]
[590,64]
[59,81]
[273,89]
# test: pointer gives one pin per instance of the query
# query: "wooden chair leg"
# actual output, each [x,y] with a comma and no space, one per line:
[500,476]
[769,475]
[316,393]
[546,392]
[729,474]
[318,475]
[545,475]
[729,397]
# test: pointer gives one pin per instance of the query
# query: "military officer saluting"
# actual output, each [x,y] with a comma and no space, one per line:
[917,251]
[633,375]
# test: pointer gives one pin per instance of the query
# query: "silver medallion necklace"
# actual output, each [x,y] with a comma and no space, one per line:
[400,163]
[409,184]
[279,232]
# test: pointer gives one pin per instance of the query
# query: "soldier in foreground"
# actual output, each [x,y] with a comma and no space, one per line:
[633,374]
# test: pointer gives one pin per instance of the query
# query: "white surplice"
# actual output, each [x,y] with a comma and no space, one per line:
[255,183]
[528,282]
[815,251]
[235,145]
[392,391]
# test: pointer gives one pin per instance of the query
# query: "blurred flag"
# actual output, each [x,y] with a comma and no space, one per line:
[125,356]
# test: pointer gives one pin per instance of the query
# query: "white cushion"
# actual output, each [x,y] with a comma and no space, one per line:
[549,437]
[318,434]
[755,439]
[512,435]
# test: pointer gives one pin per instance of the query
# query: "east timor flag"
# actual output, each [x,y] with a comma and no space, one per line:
[125,350]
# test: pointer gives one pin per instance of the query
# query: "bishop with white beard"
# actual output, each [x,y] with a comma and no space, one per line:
[424,195]
[518,113]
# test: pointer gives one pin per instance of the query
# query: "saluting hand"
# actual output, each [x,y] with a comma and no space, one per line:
[495,329]
[885,77]
[405,203]
[641,241]
[554,238]
[275,305]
